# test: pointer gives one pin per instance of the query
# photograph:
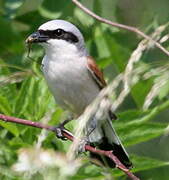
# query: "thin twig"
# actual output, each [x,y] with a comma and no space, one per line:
[69,136]
[118,25]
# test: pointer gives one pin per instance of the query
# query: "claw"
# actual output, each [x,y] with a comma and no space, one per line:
[85,140]
[58,130]
[82,143]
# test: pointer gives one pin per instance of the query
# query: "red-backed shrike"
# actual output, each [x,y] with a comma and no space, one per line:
[75,81]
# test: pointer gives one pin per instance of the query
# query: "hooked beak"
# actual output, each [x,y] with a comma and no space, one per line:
[36,37]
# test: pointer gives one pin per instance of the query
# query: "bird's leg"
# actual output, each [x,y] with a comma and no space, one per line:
[59,128]
[85,140]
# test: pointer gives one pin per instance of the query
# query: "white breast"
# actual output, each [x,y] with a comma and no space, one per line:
[70,82]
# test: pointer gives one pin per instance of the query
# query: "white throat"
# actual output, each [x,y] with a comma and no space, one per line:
[63,50]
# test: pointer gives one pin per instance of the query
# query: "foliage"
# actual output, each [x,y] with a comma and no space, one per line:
[24,93]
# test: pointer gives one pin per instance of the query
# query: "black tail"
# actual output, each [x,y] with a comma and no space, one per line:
[105,138]
[118,151]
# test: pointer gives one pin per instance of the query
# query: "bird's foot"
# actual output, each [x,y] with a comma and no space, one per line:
[59,132]
[81,146]
[60,128]
[85,140]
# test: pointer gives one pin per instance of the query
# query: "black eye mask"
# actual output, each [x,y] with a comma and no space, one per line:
[59,34]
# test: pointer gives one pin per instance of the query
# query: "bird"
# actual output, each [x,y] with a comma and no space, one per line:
[75,81]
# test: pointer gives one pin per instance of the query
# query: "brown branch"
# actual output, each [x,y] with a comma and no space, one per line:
[69,136]
[118,25]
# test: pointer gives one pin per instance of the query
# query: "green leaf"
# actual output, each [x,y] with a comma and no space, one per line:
[119,54]
[10,42]
[139,163]
[84,19]
[139,132]
[140,95]
[108,9]
[54,9]
[97,7]
[102,49]
[90,171]
[23,97]
[143,163]
[7,173]
[48,14]
[27,6]
[12,128]
[164,90]
[40,100]
[12,7]
[129,116]
[5,107]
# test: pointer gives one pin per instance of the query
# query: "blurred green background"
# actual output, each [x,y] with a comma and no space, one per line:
[24,94]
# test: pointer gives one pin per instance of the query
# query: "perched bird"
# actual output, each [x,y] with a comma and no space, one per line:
[75,81]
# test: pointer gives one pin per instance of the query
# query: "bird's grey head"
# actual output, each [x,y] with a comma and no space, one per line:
[59,36]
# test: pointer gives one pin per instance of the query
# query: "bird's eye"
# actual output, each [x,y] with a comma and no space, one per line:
[59,32]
